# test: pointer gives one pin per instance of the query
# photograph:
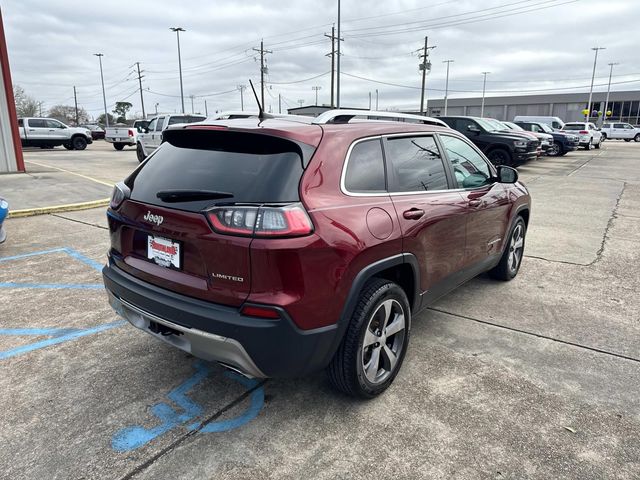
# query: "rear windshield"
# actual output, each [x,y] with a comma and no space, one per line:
[569,126]
[173,120]
[253,168]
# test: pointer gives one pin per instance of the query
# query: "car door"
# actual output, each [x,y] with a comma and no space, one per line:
[145,138]
[57,131]
[628,131]
[486,202]
[156,135]
[431,215]
[474,132]
[37,129]
[595,133]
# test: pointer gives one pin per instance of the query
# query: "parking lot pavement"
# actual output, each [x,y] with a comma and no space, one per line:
[535,378]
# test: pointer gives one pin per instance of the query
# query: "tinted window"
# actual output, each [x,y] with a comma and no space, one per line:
[469,167]
[152,124]
[20,122]
[573,126]
[184,119]
[618,125]
[463,124]
[253,168]
[159,124]
[53,124]
[37,123]
[365,170]
[416,165]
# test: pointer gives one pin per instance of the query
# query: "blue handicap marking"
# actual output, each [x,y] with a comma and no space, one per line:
[69,251]
[132,437]
[56,335]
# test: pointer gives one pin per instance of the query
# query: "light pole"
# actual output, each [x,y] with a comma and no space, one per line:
[157,108]
[593,76]
[484,87]
[104,97]
[338,62]
[446,86]
[376,99]
[178,30]
[606,102]
[315,89]
[241,88]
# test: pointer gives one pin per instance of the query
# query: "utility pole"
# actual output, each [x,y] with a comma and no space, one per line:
[241,88]
[157,108]
[279,103]
[376,99]
[484,86]
[332,54]
[178,30]
[104,96]
[192,97]
[140,76]
[315,89]
[338,53]
[206,112]
[369,100]
[424,66]
[40,108]
[75,101]
[301,102]
[446,87]
[263,69]
[606,102]
[593,76]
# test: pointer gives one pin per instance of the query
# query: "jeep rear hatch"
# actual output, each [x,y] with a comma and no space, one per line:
[196,205]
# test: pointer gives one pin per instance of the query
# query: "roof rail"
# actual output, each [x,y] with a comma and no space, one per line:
[344,116]
[233,114]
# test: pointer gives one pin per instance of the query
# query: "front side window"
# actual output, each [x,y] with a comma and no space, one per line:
[152,125]
[53,124]
[469,168]
[365,168]
[415,164]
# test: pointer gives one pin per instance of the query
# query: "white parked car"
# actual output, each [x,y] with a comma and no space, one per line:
[151,136]
[122,135]
[48,133]
[620,131]
[589,135]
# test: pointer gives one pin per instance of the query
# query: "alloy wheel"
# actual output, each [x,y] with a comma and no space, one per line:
[516,247]
[383,342]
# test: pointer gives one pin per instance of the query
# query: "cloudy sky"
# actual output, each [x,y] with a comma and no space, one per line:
[529,46]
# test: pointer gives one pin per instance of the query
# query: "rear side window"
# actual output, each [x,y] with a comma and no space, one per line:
[20,122]
[159,124]
[365,168]
[415,164]
[250,168]
[37,123]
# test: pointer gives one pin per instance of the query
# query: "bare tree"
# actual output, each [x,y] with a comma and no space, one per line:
[67,114]
[26,106]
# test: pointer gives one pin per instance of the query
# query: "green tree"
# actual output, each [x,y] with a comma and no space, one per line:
[26,106]
[101,121]
[121,110]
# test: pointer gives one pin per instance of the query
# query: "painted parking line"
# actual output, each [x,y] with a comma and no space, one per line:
[135,436]
[55,286]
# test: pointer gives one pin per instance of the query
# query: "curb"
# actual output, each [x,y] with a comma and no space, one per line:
[69,207]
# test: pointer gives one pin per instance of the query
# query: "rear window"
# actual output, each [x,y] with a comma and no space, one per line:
[570,126]
[253,168]
[185,119]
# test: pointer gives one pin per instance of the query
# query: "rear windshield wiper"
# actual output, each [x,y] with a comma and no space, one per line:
[191,195]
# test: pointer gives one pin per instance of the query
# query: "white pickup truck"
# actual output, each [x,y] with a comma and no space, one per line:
[621,131]
[48,133]
[122,135]
[151,136]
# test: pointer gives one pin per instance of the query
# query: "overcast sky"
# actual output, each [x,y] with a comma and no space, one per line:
[530,45]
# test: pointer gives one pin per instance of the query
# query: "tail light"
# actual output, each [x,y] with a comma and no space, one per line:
[583,132]
[131,134]
[120,193]
[288,221]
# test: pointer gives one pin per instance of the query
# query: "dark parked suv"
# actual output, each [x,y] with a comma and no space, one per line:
[563,142]
[500,147]
[282,246]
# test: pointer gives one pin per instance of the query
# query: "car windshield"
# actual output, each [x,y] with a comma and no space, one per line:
[513,126]
[545,128]
[487,124]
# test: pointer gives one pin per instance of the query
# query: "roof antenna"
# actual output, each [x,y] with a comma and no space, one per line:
[261,114]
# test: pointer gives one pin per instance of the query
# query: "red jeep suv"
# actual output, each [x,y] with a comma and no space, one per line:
[280,246]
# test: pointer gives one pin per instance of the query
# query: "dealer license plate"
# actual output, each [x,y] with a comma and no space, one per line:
[163,251]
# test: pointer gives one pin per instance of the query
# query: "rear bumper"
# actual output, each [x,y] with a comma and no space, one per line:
[256,347]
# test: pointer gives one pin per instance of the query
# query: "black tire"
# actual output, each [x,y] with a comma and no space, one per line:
[68,146]
[604,136]
[597,145]
[628,140]
[500,156]
[589,145]
[347,371]
[79,143]
[118,146]
[636,138]
[140,153]
[511,259]
[555,150]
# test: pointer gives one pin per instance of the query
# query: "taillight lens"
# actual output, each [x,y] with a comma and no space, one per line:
[583,132]
[131,134]
[288,221]
[260,311]
[120,193]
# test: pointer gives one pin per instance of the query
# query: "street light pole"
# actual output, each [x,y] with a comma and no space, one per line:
[104,97]
[157,108]
[446,87]
[338,62]
[593,76]
[178,30]
[376,99]
[606,102]
[484,87]
[316,88]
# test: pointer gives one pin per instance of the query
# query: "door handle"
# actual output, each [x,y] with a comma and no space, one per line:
[475,202]
[52,130]
[413,214]
[32,129]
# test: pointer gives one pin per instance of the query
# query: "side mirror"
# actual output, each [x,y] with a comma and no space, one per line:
[507,174]
[473,128]
[145,130]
